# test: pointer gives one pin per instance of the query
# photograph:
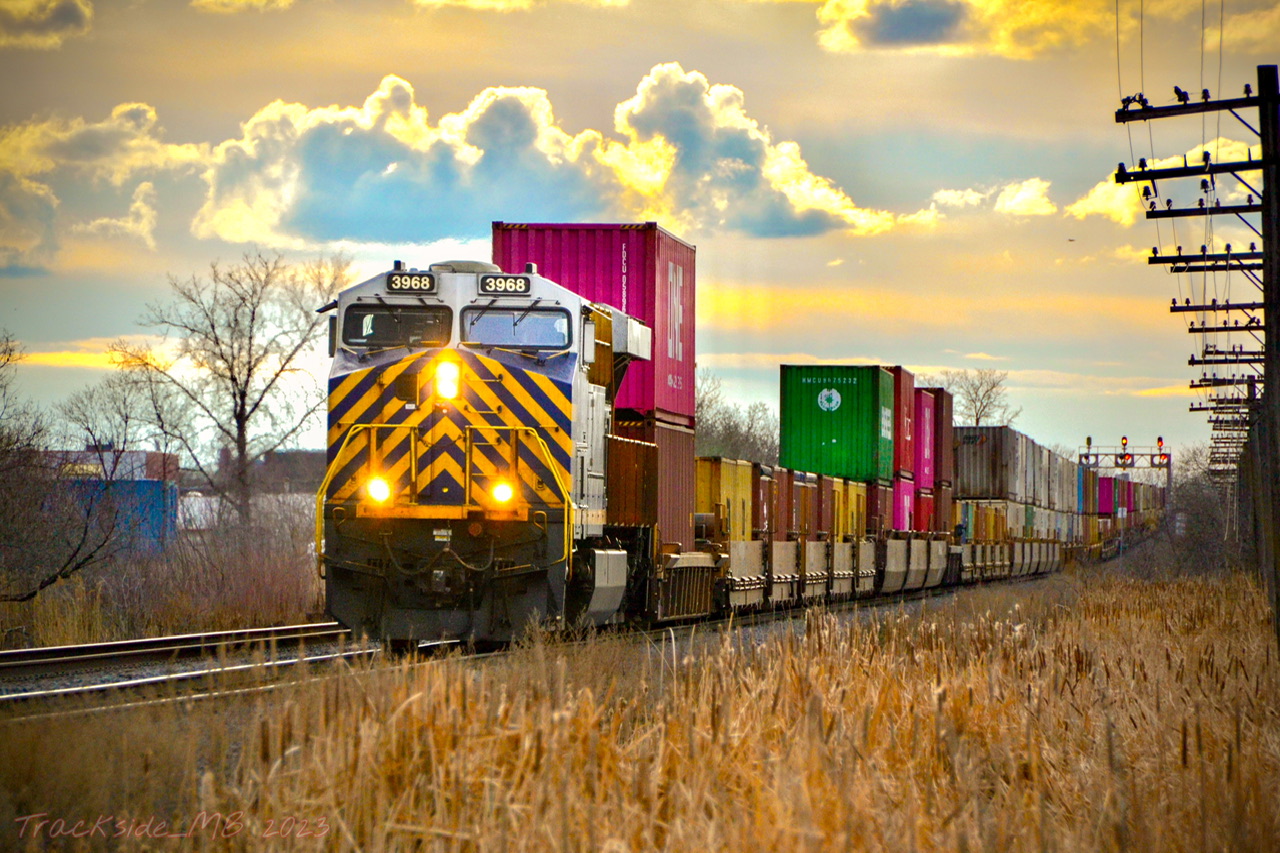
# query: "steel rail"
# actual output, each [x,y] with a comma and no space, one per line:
[25,662]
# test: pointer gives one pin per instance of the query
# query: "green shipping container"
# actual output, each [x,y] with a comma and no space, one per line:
[838,420]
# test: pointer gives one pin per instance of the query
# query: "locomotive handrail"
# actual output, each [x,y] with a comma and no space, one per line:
[544,452]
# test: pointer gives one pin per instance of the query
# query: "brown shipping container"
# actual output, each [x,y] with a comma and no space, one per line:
[944,437]
[942,502]
[804,506]
[675,475]
[631,482]
[827,506]
[879,508]
[639,268]
[783,493]
[761,501]
[904,415]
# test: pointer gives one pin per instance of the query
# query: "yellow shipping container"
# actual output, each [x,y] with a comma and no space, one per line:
[724,488]
[856,508]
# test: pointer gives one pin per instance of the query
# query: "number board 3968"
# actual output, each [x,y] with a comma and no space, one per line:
[505,285]
[411,282]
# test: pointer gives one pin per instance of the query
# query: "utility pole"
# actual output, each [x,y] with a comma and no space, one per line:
[1233,418]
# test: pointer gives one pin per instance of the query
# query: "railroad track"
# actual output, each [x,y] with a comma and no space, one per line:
[227,663]
[26,674]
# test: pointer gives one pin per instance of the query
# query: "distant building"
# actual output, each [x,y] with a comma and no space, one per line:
[133,492]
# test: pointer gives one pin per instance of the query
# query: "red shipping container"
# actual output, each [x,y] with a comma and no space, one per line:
[675,475]
[640,269]
[761,501]
[943,499]
[879,508]
[923,519]
[904,504]
[926,426]
[904,416]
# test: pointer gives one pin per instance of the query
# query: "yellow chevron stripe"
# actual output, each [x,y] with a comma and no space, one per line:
[358,413]
[562,438]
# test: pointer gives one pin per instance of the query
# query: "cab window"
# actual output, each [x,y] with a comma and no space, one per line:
[370,325]
[537,328]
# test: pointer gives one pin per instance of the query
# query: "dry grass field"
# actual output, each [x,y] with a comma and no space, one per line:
[1090,711]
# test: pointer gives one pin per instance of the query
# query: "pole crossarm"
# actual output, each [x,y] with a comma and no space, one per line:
[1204,257]
[1215,305]
[1196,362]
[1219,381]
[1207,210]
[1224,267]
[1146,112]
[1125,176]
[1251,326]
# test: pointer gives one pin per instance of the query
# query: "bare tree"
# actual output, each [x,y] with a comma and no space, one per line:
[51,526]
[729,430]
[235,380]
[981,398]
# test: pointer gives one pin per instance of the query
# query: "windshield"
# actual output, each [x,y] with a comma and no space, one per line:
[397,325]
[516,327]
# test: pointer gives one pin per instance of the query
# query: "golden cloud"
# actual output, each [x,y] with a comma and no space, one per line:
[1183,390]
[113,150]
[508,5]
[140,222]
[231,6]
[1027,198]
[43,24]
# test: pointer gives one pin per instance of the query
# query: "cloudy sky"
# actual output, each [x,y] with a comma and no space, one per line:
[924,182]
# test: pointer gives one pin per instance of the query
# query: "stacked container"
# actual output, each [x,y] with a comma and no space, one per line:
[838,420]
[925,458]
[648,273]
[943,460]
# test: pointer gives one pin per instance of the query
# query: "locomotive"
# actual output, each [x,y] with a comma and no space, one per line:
[465,491]
[483,478]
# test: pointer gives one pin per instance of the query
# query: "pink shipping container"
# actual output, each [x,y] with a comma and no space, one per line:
[904,504]
[926,433]
[1106,496]
[924,521]
[638,268]
[904,417]
[675,475]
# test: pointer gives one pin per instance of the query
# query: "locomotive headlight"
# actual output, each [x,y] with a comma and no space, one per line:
[447,379]
[378,489]
[503,492]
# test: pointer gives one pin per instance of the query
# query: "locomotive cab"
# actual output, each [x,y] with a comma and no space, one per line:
[464,496]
